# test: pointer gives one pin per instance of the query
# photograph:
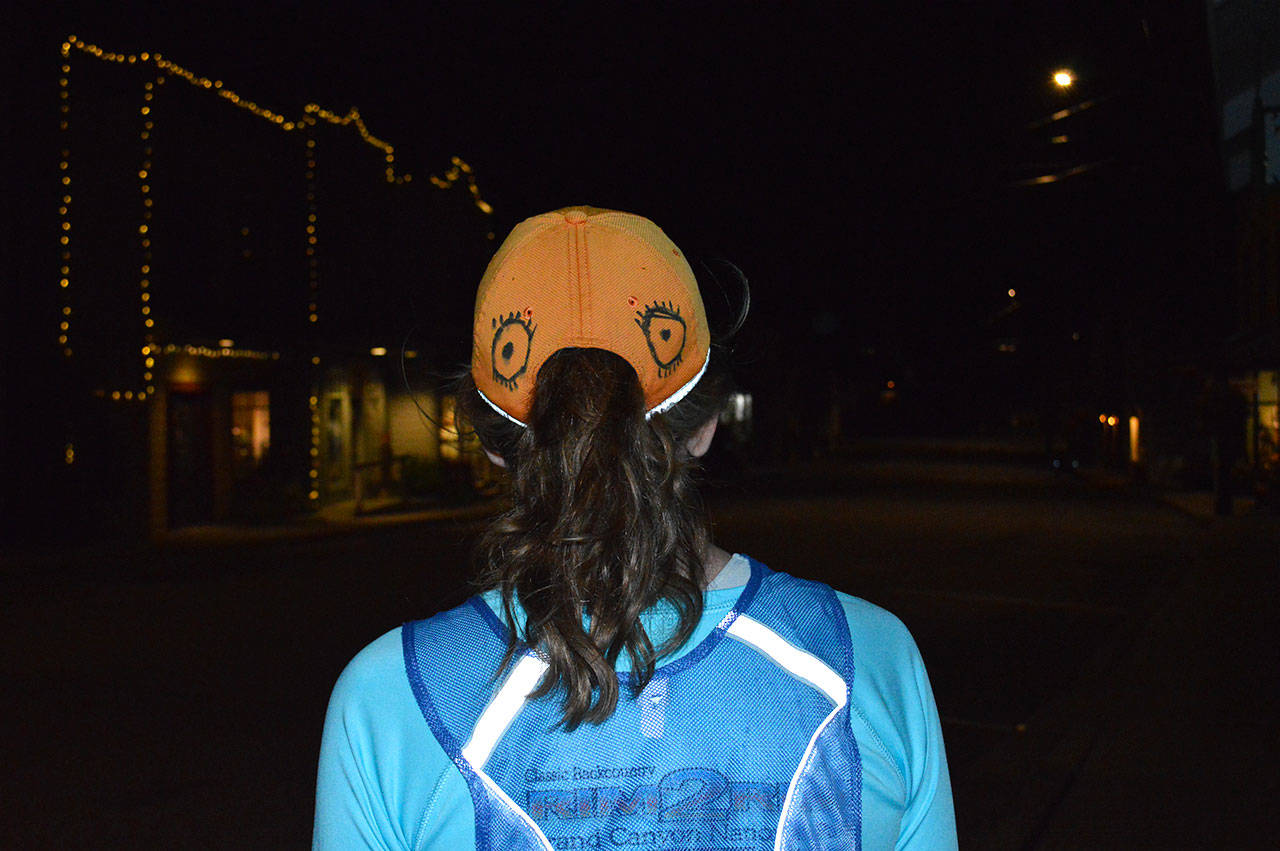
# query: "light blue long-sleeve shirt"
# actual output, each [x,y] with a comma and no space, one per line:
[385,782]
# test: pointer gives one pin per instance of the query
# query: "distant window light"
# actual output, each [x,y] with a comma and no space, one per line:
[738,409]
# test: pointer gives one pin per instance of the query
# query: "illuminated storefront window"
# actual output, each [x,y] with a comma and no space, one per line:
[337,418]
[449,449]
[459,445]
[1267,444]
[250,429]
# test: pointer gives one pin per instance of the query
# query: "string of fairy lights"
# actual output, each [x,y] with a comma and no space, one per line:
[144,235]
[313,287]
[312,115]
[461,171]
[64,216]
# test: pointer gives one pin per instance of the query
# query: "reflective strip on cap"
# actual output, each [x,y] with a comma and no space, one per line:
[660,408]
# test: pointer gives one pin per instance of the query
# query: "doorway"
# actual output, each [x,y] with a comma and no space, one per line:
[190,458]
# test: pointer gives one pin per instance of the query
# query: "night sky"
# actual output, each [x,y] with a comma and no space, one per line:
[862,169]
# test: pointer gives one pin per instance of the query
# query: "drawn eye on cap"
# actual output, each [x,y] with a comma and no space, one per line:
[509,353]
[665,331]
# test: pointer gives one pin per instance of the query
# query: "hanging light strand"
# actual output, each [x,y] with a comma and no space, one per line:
[461,171]
[312,113]
[144,234]
[64,206]
[313,317]
[316,112]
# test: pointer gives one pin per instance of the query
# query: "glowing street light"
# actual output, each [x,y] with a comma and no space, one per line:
[1063,78]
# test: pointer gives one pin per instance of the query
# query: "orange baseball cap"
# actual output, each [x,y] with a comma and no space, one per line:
[583,277]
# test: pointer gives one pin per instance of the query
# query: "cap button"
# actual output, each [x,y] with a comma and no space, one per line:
[575,217]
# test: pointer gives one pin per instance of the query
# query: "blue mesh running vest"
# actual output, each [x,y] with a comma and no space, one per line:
[742,743]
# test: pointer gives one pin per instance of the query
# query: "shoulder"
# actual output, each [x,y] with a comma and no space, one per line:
[895,718]
[875,631]
[890,696]
[382,663]
[888,671]
[384,780]
[374,671]
[387,649]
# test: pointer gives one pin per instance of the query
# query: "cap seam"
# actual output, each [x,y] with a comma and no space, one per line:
[586,294]
[579,240]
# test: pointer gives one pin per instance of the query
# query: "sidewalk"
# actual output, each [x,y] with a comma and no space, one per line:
[1185,749]
[1198,504]
[335,519]
[109,558]
[1169,740]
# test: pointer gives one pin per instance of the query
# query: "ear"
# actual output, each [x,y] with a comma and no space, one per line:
[700,441]
[498,460]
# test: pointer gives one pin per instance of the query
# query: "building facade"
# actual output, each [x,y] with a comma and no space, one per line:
[242,335]
[1245,41]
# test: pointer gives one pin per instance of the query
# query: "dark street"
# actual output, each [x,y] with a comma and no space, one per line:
[175,699]
[980,303]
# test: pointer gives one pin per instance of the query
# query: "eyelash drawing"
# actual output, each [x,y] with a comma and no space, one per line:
[662,320]
[511,347]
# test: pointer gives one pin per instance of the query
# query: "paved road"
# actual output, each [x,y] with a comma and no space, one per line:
[175,699]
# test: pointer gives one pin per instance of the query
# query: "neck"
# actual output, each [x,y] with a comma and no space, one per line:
[713,561]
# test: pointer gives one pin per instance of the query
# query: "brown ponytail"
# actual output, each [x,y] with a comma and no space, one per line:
[605,521]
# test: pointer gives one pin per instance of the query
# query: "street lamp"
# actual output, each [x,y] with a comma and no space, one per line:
[1063,78]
